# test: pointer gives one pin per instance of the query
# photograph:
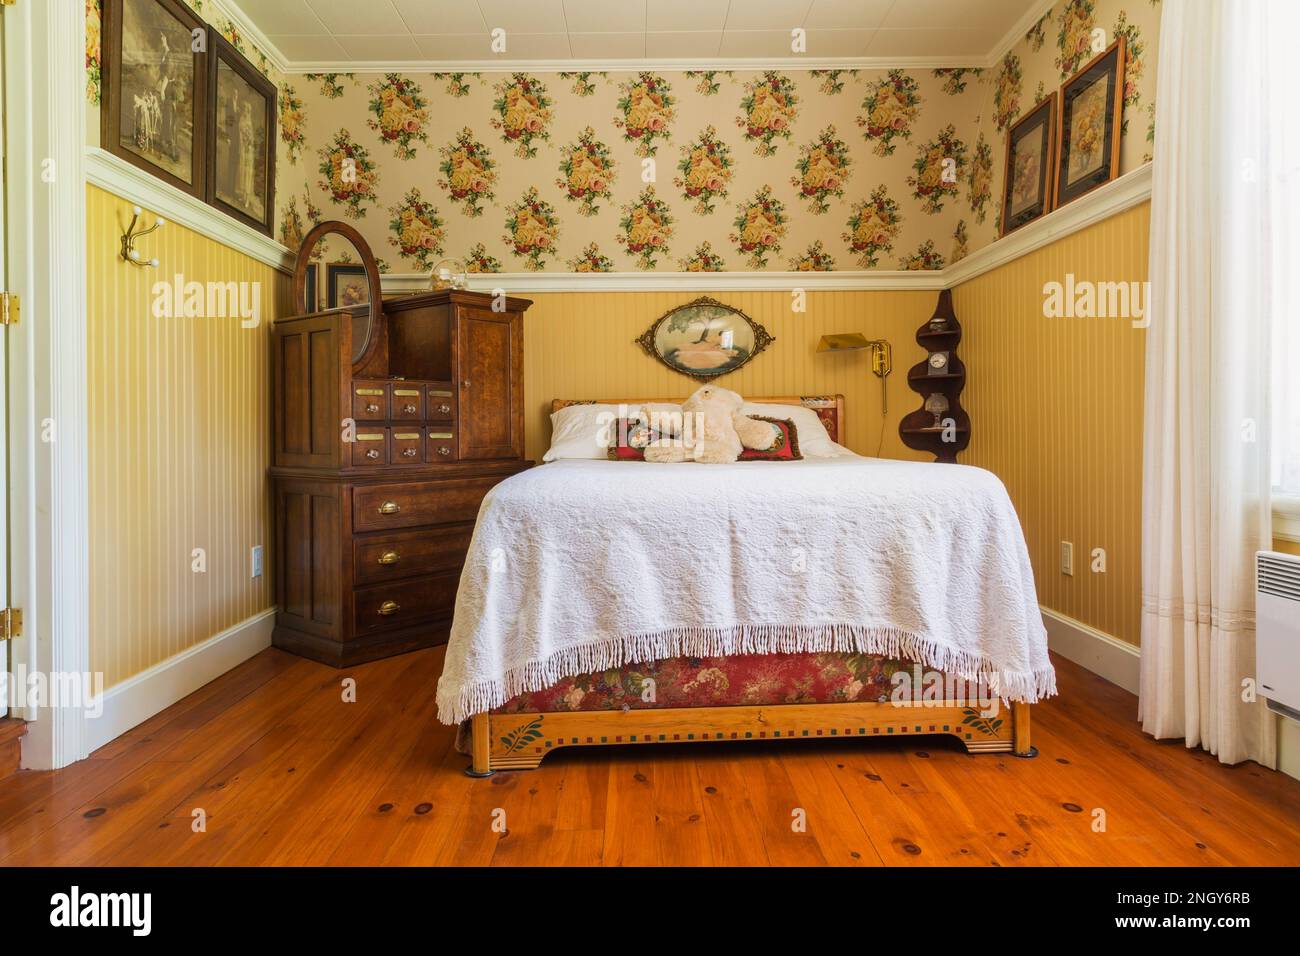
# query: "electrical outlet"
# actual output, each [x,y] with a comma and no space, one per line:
[1067,558]
[257,560]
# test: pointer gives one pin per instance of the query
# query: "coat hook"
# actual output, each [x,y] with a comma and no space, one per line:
[129,252]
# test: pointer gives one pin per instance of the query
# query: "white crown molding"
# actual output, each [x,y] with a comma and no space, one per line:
[503,65]
[133,184]
[252,32]
[1103,202]
[1018,31]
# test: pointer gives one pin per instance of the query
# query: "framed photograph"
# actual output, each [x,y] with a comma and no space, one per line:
[241,137]
[1030,160]
[1092,107]
[346,285]
[704,338]
[155,90]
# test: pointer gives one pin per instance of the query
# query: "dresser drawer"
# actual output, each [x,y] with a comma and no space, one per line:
[406,446]
[402,603]
[440,445]
[411,504]
[369,401]
[441,404]
[370,447]
[404,553]
[408,403]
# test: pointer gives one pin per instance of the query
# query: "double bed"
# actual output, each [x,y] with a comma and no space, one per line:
[625,602]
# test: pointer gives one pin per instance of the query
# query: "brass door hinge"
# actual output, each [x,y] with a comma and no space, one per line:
[9,305]
[11,623]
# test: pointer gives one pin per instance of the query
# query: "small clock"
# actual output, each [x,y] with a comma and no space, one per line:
[937,364]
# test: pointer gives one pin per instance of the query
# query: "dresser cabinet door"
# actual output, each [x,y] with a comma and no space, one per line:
[489,354]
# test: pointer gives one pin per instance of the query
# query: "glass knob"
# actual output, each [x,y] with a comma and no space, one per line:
[372,454]
[409,408]
[444,450]
[372,407]
[444,409]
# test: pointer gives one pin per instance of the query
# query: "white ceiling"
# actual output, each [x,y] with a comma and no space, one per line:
[360,34]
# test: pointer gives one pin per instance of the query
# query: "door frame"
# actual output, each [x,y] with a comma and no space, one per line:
[45,49]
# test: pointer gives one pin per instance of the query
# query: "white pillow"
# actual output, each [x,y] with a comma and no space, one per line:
[814,440]
[584,431]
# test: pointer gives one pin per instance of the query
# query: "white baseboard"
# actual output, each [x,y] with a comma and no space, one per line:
[138,698]
[1106,656]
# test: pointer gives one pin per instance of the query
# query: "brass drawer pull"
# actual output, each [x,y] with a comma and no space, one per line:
[370,391]
[389,557]
[406,392]
[389,608]
[389,508]
[444,409]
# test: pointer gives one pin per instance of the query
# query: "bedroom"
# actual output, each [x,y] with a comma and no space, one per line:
[419,410]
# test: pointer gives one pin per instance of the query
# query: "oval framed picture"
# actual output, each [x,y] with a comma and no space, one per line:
[704,338]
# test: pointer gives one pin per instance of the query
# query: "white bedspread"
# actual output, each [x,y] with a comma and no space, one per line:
[578,566]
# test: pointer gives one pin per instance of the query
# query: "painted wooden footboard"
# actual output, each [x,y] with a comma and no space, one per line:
[520,741]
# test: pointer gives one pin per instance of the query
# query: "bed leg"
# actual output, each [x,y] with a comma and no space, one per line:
[480,730]
[1020,745]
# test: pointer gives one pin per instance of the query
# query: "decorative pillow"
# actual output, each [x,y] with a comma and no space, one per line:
[584,431]
[629,438]
[814,440]
[785,448]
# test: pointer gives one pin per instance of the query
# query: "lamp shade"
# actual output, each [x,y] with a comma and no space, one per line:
[843,342]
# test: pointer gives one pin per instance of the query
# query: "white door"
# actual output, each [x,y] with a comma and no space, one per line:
[4,375]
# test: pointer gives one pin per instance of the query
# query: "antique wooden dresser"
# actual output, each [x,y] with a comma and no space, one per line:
[390,425]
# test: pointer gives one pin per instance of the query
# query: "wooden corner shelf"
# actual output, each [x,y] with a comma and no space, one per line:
[918,429]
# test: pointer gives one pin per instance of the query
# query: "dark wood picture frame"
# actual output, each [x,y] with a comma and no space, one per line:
[110,117]
[221,50]
[335,271]
[310,301]
[648,339]
[1040,122]
[1108,65]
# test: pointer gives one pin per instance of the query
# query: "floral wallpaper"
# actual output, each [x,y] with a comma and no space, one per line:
[709,171]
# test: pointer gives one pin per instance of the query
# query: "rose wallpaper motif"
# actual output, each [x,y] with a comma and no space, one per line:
[695,171]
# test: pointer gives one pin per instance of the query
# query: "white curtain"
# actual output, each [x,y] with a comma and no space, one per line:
[1223,221]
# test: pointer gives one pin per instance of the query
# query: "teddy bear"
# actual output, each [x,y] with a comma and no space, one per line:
[710,430]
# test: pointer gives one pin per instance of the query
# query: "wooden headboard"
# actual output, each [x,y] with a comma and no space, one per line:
[829,408]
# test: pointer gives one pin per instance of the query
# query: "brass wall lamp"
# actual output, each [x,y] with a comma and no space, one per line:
[129,252]
[882,356]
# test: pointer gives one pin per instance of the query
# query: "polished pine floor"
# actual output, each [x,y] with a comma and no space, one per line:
[286,772]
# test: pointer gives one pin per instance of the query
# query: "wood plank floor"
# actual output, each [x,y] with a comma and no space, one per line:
[285,771]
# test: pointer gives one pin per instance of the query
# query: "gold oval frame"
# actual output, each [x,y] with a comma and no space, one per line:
[647,339]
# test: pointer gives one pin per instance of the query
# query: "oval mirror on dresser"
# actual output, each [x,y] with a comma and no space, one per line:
[336,270]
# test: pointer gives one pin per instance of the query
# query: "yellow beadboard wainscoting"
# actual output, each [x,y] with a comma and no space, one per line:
[582,345]
[179,446]
[1056,413]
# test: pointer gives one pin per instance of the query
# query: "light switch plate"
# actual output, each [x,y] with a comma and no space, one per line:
[1067,558]
[257,560]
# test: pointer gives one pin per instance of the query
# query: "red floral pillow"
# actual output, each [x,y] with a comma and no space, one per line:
[786,447]
[629,440]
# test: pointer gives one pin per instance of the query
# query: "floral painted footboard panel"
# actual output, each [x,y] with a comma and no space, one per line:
[732,681]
